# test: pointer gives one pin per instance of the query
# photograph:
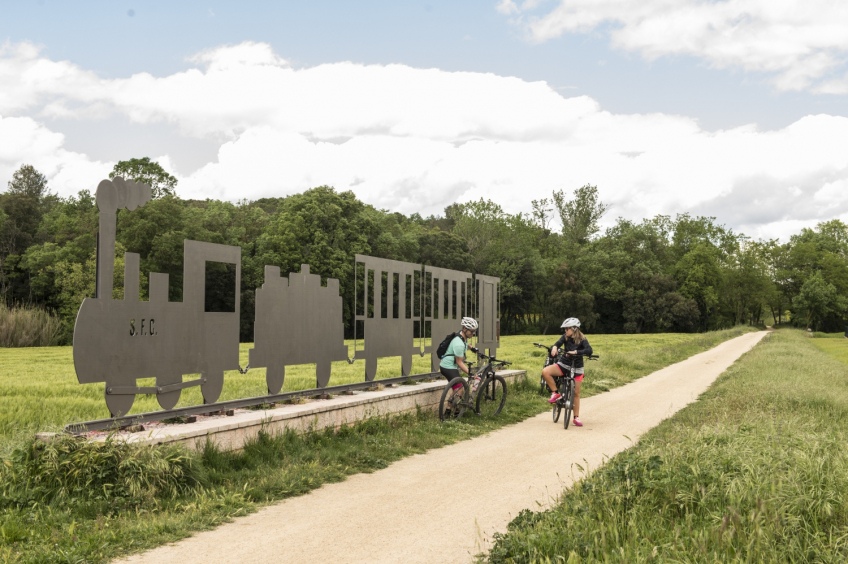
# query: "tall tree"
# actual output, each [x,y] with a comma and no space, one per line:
[27,181]
[818,300]
[21,209]
[149,172]
[579,215]
[502,245]
[699,275]
[822,253]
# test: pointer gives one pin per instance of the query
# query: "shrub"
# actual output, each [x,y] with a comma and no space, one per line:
[28,326]
[71,470]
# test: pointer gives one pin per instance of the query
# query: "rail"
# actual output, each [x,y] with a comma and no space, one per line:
[137,419]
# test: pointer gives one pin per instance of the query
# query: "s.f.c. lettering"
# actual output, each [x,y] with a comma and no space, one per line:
[143,327]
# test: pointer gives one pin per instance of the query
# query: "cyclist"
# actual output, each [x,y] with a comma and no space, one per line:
[454,360]
[574,343]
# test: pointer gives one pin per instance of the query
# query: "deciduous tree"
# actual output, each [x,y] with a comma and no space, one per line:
[149,172]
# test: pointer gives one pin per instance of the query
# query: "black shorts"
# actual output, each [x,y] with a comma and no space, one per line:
[449,373]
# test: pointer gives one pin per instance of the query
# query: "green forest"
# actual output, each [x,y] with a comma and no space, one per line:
[665,274]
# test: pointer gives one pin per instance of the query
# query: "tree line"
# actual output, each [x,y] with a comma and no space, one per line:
[663,274]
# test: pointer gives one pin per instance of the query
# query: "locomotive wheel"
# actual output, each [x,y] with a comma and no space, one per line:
[322,373]
[274,376]
[118,404]
[211,388]
[370,369]
[169,399]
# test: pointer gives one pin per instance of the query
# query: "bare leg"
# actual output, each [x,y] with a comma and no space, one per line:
[548,374]
[577,398]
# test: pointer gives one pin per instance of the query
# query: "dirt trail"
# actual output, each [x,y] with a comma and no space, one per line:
[408,512]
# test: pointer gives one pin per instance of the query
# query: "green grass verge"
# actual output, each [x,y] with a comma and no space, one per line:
[756,471]
[72,501]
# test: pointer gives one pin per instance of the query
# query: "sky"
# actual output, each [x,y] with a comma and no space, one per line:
[733,109]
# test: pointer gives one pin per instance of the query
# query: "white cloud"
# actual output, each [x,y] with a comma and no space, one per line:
[29,80]
[802,45]
[414,140]
[23,141]
[507,7]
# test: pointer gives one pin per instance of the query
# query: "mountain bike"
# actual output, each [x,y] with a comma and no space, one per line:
[565,386]
[484,392]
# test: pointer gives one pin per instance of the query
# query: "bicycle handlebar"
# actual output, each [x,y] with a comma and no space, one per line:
[492,359]
[586,356]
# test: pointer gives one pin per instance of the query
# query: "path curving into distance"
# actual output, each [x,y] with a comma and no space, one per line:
[409,511]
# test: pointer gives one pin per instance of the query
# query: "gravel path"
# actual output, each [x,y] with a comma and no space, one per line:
[409,512]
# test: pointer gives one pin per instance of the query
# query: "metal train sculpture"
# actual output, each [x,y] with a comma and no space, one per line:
[400,309]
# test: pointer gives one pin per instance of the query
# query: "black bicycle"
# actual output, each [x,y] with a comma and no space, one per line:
[565,387]
[484,392]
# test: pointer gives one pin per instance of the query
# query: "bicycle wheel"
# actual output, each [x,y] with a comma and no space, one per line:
[568,401]
[451,405]
[556,408]
[491,396]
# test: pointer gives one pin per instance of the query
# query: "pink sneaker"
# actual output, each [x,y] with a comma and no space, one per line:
[555,397]
[577,422]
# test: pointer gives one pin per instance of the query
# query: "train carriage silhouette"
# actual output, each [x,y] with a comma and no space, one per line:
[315,336]
[399,303]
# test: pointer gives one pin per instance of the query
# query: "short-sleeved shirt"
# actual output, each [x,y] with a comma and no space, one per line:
[455,349]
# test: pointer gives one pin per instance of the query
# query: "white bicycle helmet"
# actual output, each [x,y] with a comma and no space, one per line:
[469,323]
[570,322]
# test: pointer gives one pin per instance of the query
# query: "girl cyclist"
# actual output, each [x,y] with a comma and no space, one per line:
[574,342]
[454,360]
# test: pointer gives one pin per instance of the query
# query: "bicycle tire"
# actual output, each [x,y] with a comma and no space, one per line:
[568,400]
[491,396]
[450,405]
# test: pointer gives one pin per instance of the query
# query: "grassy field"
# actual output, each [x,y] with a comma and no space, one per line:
[41,392]
[71,501]
[756,471]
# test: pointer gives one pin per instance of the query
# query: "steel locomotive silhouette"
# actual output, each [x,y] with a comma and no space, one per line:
[119,341]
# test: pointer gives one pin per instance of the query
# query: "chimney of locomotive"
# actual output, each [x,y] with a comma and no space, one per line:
[111,196]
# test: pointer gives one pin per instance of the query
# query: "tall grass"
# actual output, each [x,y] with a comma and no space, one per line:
[757,471]
[109,476]
[28,326]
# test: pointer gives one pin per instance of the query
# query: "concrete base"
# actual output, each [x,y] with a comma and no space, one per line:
[231,432]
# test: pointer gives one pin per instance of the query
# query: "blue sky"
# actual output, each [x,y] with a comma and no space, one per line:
[736,109]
